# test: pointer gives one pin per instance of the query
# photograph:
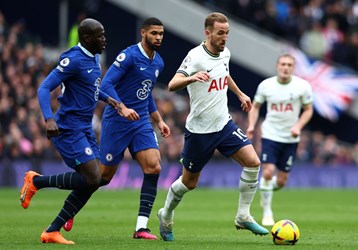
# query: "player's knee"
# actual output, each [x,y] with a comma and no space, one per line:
[281,183]
[253,163]
[152,167]
[191,185]
[93,182]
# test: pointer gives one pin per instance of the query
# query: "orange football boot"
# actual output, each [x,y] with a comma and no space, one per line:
[28,189]
[54,237]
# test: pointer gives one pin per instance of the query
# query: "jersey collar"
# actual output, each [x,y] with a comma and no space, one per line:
[143,52]
[207,51]
[85,50]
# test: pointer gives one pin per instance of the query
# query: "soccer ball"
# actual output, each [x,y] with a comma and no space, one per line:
[285,232]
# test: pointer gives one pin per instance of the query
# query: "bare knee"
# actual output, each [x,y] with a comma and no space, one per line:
[151,166]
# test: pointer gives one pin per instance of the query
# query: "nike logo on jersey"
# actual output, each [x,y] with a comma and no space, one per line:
[142,68]
[208,70]
[89,71]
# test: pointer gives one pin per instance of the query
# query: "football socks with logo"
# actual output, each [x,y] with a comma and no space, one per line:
[147,196]
[247,187]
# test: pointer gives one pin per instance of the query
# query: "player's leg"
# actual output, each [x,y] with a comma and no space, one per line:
[78,197]
[267,183]
[247,157]
[149,160]
[235,144]
[185,183]
[275,156]
[80,152]
[198,149]
[71,146]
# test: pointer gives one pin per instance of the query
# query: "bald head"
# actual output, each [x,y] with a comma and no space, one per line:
[91,35]
[88,26]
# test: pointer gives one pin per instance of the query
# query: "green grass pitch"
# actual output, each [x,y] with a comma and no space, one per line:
[327,219]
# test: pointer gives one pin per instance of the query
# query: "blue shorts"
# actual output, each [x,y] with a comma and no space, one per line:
[199,148]
[115,138]
[76,147]
[278,153]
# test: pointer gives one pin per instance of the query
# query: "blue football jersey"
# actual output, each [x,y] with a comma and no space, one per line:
[130,79]
[79,72]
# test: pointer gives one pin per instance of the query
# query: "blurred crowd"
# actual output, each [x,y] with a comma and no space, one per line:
[23,66]
[324,29]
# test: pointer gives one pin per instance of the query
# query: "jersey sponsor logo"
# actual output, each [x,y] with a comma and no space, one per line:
[282,107]
[143,68]
[89,71]
[143,93]
[65,62]
[156,73]
[208,70]
[97,85]
[217,85]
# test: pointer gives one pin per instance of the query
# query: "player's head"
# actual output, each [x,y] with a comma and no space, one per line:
[152,33]
[91,35]
[284,67]
[216,32]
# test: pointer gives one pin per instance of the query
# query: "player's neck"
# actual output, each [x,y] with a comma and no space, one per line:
[284,80]
[210,48]
[148,51]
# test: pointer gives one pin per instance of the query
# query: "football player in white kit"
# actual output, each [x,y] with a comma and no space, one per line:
[205,74]
[286,96]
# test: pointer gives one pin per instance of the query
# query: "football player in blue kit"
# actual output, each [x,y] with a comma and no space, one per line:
[70,129]
[130,80]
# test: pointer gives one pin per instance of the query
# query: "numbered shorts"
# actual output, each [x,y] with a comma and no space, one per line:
[76,147]
[281,154]
[116,137]
[199,148]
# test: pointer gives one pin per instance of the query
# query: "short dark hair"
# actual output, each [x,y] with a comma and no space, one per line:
[151,21]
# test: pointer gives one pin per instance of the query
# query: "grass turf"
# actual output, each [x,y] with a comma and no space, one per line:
[327,219]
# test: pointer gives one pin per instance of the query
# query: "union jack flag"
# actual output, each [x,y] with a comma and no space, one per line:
[333,88]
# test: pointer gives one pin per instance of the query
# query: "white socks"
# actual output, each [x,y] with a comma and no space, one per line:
[266,191]
[247,187]
[174,196]
[142,222]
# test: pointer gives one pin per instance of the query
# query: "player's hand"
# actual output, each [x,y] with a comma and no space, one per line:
[200,76]
[250,133]
[164,129]
[129,114]
[295,132]
[51,128]
[114,103]
[245,102]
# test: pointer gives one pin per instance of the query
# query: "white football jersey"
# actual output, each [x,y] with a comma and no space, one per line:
[284,104]
[208,100]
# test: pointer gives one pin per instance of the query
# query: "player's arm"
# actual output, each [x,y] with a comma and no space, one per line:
[253,116]
[181,80]
[304,118]
[44,96]
[244,99]
[157,118]
[110,80]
